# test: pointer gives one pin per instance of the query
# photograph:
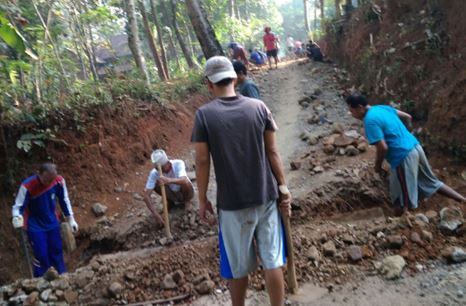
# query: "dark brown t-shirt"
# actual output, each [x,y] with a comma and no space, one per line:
[234,130]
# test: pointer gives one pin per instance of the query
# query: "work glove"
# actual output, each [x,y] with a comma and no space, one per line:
[18,221]
[74,226]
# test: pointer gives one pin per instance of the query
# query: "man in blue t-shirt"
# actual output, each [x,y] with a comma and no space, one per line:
[411,177]
[245,85]
[35,211]
[256,57]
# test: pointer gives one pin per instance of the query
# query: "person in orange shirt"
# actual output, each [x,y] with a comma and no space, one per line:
[271,46]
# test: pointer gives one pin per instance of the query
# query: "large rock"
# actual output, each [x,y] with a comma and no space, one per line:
[312,140]
[137,196]
[61,283]
[205,287]
[354,253]
[99,209]
[32,299]
[178,277]
[168,282]
[343,141]
[18,299]
[454,254]
[363,146]
[51,274]
[34,284]
[329,249]
[416,238]
[394,241]
[450,220]
[115,289]
[347,238]
[392,266]
[427,236]
[431,215]
[70,296]
[351,151]
[328,149]
[44,296]
[295,165]
[313,253]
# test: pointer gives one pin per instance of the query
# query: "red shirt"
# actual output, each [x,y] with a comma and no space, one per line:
[270,41]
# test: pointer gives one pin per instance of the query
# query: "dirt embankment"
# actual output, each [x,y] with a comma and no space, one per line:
[108,154]
[413,53]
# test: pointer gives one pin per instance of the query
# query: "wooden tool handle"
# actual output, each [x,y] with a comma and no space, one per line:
[290,266]
[165,205]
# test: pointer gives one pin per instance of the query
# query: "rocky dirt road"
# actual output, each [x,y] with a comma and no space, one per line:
[343,230]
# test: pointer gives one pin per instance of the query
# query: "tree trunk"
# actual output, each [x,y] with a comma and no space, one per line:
[204,32]
[348,6]
[231,8]
[337,8]
[306,17]
[236,8]
[81,35]
[163,53]
[150,39]
[322,10]
[93,58]
[133,38]
[172,46]
[187,56]
[54,46]
[315,14]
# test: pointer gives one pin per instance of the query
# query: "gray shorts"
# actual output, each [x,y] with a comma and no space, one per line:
[412,180]
[247,234]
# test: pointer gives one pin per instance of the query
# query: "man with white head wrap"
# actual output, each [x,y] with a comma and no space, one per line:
[179,188]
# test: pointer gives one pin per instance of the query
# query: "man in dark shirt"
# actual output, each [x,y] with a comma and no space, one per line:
[313,51]
[245,85]
[239,134]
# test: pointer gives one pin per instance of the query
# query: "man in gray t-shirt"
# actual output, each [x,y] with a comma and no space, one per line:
[239,133]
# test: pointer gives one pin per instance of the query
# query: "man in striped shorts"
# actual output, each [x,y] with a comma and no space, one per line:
[411,178]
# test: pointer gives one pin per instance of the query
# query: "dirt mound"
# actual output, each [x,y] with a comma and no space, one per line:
[410,52]
[105,161]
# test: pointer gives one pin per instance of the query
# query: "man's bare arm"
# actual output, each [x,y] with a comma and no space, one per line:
[382,149]
[274,157]
[406,118]
[202,169]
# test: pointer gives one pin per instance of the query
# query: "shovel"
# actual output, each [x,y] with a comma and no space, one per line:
[69,242]
[26,251]
[290,266]
[165,206]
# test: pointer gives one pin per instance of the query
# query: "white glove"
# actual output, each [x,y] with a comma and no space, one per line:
[18,221]
[74,226]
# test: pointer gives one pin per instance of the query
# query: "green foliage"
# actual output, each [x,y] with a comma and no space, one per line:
[26,141]
[11,36]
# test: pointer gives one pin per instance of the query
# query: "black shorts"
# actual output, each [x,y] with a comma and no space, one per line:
[272,53]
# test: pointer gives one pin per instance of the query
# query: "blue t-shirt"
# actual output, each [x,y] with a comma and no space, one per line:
[256,58]
[249,89]
[382,123]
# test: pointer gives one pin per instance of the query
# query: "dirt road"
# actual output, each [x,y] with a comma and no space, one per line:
[342,227]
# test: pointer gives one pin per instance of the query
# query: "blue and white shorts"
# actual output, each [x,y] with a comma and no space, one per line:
[245,235]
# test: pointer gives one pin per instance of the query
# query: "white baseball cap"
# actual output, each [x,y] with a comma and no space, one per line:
[218,68]
[159,157]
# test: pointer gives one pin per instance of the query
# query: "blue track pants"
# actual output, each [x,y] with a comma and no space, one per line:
[48,251]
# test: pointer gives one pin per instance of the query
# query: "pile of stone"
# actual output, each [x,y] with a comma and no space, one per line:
[308,98]
[348,143]
[51,289]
